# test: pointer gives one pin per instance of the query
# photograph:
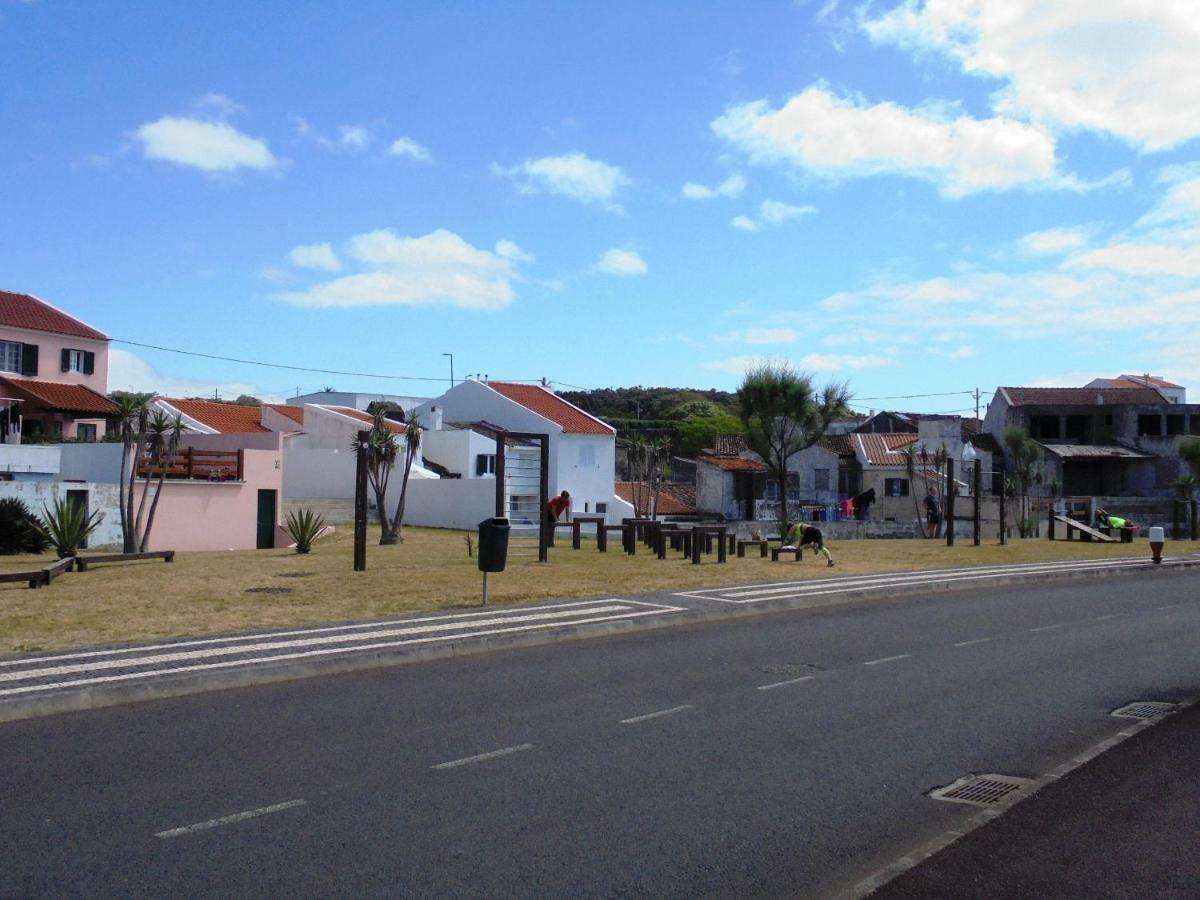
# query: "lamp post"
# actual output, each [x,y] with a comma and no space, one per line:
[971,459]
[451,355]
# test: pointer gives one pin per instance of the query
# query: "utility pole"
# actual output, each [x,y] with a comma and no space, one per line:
[451,355]
[977,404]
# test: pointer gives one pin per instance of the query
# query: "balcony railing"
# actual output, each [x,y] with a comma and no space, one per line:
[197,465]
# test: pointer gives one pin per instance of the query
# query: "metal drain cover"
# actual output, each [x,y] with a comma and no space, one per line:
[1144,709]
[980,790]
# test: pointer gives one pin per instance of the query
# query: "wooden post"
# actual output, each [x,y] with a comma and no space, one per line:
[951,490]
[544,494]
[191,457]
[696,545]
[360,502]
[1195,530]
[500,445]
[241,464]
[723,546]
[1175,505]
[976,487]
[1003,502]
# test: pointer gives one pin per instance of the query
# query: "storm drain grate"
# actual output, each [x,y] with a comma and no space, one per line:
[1144,709]
[980,790]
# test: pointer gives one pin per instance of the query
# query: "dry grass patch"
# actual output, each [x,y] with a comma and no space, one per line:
[212,593]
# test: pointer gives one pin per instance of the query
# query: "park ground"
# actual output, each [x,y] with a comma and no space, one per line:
[222,592]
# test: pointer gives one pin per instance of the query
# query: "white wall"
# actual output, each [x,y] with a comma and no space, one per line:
[91,462]
[590,484]
[44,459]
[456,449]
[449,502]
[318,473]
[103,497]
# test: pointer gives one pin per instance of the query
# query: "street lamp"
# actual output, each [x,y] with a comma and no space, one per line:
[451,355]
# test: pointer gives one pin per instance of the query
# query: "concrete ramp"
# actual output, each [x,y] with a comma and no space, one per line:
[1086,529]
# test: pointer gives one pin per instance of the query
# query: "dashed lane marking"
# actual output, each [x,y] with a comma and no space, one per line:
[972,643]
[482,757]
[887,659]
[1047,627]
[229,820]
[779,684]
[656,715]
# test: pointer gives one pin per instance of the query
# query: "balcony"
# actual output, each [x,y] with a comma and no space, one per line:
[197,465]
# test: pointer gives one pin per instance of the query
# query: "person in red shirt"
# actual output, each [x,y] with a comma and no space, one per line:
[555,508]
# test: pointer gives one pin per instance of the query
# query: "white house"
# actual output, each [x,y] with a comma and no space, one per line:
[582,454]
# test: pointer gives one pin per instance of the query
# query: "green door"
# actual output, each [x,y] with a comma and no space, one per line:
[266,520]
[80,499]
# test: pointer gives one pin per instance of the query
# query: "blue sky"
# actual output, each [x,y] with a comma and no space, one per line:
[919,198]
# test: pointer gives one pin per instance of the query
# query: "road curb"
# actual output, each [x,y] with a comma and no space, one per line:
[269,672]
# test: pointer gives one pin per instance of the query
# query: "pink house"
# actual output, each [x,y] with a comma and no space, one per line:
[53,373]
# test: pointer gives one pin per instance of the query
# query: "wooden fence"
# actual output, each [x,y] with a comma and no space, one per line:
[202,465]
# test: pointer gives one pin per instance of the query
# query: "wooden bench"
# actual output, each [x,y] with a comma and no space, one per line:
[576,534]
[602,536]
[84,561]
[702,537]
[776,551]
[762,545]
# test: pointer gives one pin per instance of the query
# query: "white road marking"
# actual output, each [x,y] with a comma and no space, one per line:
[1047,627]
[1102,618]
[777,684]
[971,643]
[466,761]
[887,659]
[229,820]
[327,651]
[655,715]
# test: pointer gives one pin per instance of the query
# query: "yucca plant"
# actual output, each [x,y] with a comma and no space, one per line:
[18,528]
[67,526]
[303,526]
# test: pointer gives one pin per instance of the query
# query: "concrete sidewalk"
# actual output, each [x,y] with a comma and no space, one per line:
[1125,824]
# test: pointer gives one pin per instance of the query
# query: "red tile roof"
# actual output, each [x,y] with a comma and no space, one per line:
[1027,396]
[549,405]
[733,463]
[1144,381]
[366,417]
[295,413]
[840,444]
[225,418]
[882,447]
[73,398]
[27,311]
[672,498]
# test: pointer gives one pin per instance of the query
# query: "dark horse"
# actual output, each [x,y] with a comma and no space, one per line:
[862,502]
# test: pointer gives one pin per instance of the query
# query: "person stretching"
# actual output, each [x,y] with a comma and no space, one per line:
[801,535]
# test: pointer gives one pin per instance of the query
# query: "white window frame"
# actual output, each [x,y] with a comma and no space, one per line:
[75,360]
[587,456]
[10,356]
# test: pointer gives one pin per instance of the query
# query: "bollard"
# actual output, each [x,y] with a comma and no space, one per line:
[1156,542]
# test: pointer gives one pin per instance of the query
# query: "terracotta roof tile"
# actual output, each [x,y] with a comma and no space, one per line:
[74,398]
[27,311]
[673,499]
[1146,381]
[295,413]
[733,463]
[367,418]
[841,444]
[225,418]
[882,447]
[1026,396]
[550,406]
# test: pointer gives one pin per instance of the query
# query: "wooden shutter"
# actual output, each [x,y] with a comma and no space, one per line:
[481,464]
[89,362]
[29,359]
[66,360]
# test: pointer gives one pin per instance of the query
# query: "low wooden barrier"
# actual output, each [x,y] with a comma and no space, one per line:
[82,562]
[35,578]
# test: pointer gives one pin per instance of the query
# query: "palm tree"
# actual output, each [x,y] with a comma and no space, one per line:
[412,446]
[132,412]
[910,469]
[1025,454]
[1189,452]
[382,451]
[167,435]
[785,414]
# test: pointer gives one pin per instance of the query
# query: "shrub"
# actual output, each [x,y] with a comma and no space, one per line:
[303,526]
[67,526]
[19,529]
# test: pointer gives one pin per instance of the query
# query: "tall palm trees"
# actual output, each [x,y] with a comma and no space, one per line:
[148,437]
[383,451]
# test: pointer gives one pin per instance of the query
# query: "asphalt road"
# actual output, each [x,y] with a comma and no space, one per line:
[785,754]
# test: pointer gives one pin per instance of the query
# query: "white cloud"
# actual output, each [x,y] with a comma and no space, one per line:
[573,175]
[963,351]
[730,187]
[836,362]
[772,213]
[836,137]
[436,268]
[510,251]
[1131,69]
[208,146]
[734,365]
[353,137]
[1054,240]
[315,256]
[622,263]
[410,149]
[761,336]
[129,372]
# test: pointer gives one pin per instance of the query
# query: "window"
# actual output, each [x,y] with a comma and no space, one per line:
[587,455]
[10,356]
[1150,426]
[601,508]
[85,431]
[820,479]
[1194,424]
[895,487]
[1041,427]
[1174,424]
[78,361]
[485,464]
[1077,428]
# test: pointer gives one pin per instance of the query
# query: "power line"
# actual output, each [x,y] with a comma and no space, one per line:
[919,396]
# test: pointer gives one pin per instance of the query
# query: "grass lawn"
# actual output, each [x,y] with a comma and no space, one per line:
[221,591]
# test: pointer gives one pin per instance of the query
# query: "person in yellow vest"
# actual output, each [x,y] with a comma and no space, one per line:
[1115,522]
[801,535]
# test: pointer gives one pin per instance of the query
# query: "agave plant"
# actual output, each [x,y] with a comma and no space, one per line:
[303,527]
[18,528]
[67,526]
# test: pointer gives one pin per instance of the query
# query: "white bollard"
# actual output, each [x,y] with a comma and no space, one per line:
[1156,542]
